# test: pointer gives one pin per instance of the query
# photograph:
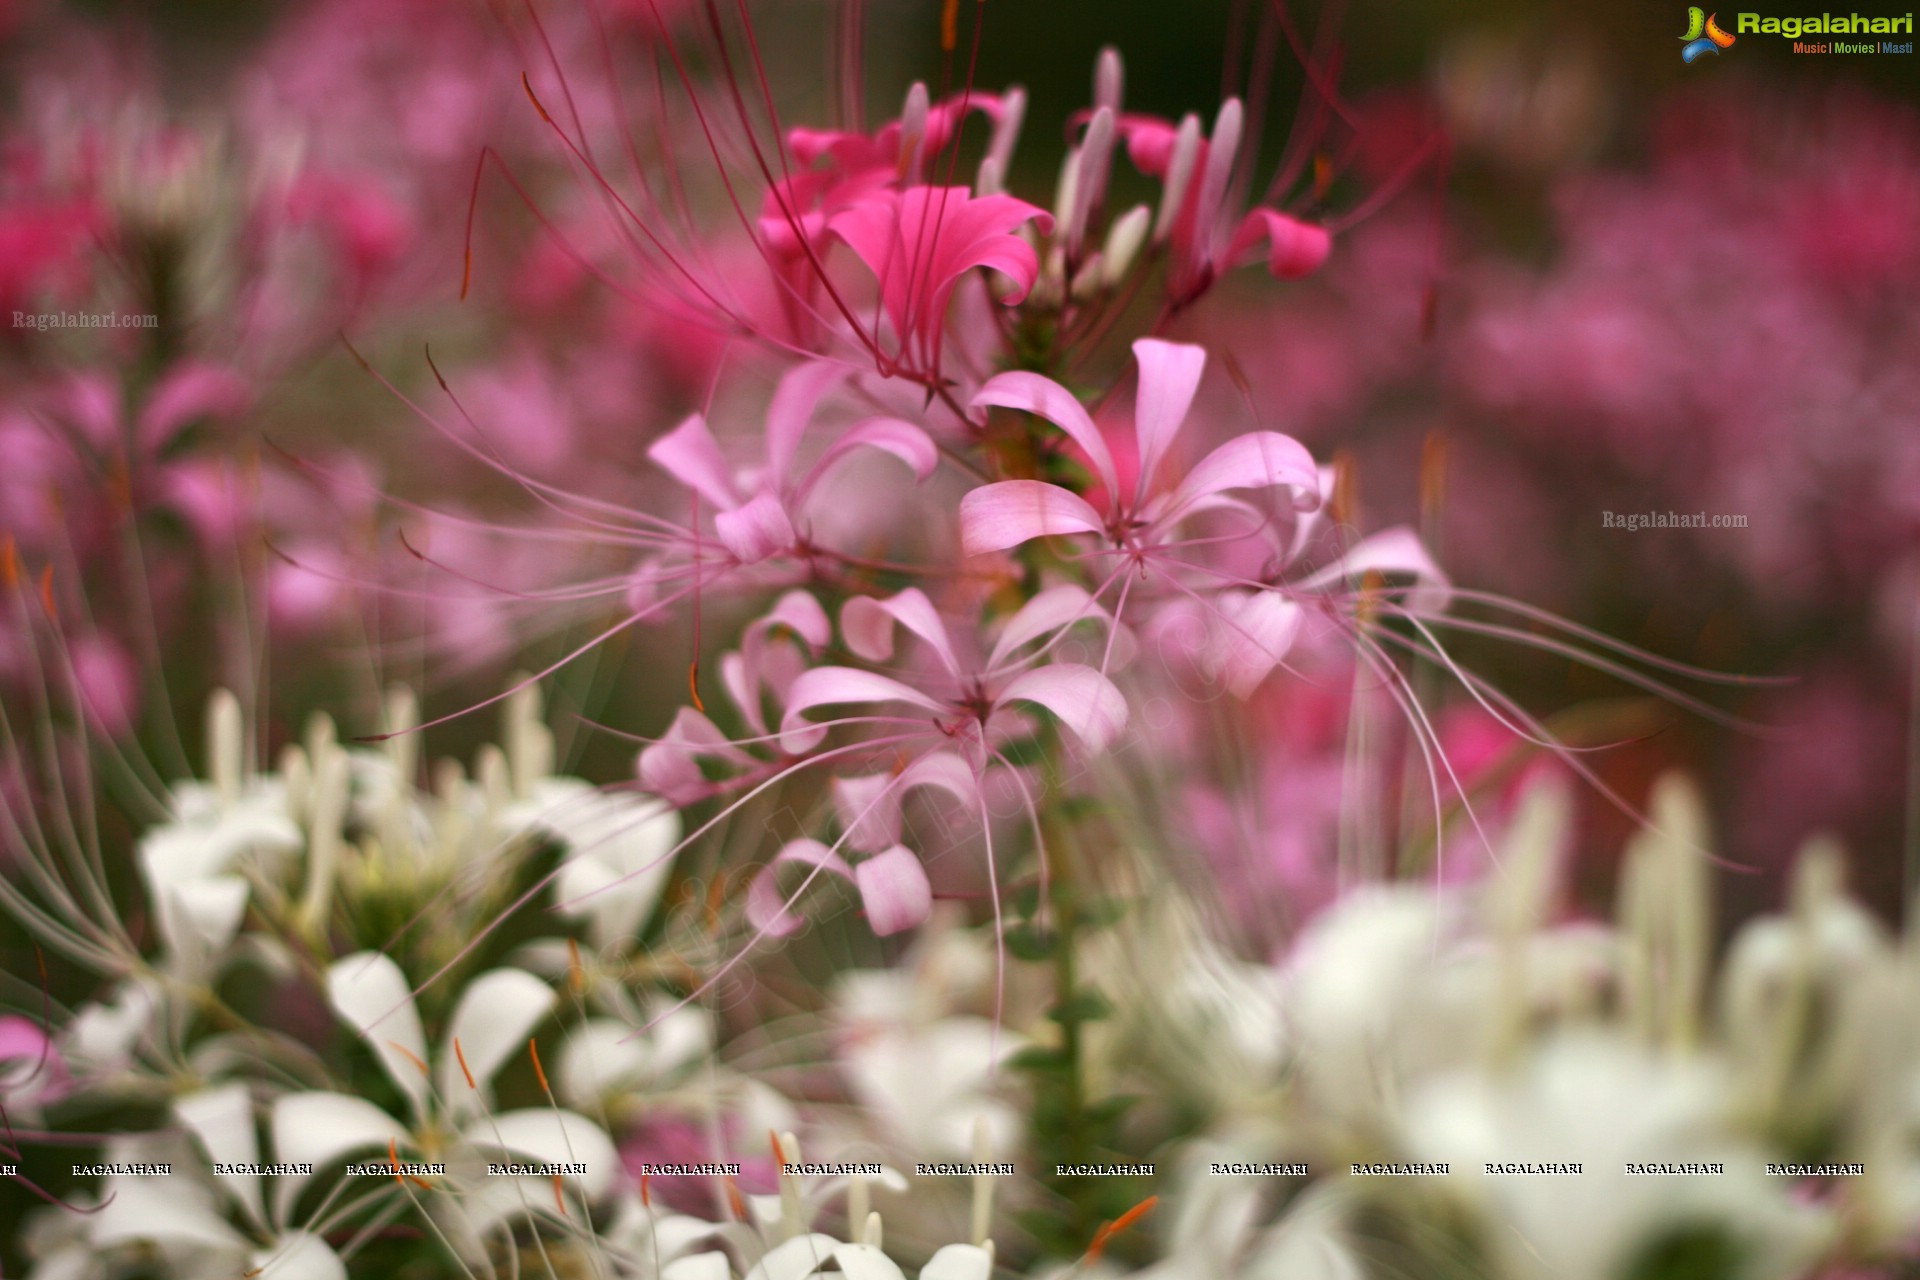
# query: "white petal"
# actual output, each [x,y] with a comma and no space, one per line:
[298,1255]
[617,854]
[370,992]
[795,1259]
[600,1056]
[864,1262]
[496,1014]
[222,1119]
[198,918]
[162,1210]
[320,1128]
[959,1262]
[552,1137]
[701,1266]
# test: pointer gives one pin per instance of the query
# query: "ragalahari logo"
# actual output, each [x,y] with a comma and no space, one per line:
[1703,35]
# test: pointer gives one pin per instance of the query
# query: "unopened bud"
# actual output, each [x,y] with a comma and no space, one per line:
[1124,238]
[1173,193]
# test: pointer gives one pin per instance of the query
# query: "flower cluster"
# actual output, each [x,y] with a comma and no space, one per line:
[1008,808]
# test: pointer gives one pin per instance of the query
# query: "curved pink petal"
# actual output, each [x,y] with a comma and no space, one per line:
[756,530]
[1396,552]
[894,890]
[868,805]
[1294,248]
[919,242]
[997,516]
[1256,629]
[831,686]
[44,1074]
[1043,397]
[670,768]
[189,392]
[792,408]
[867,624]
[1169,376]
[1084,700]
[1050,611]
[759,666]
[691,455]
[903,440]
[767,904]
[1257,460]
[799,612]
[1149,142]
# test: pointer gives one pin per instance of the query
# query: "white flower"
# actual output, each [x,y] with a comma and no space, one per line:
[1603,1102]
[447,1093]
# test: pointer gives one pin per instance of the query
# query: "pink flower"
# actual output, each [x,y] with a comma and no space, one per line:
[958,715]
[973,705]
[1140,519]
[921,242]
[758,508]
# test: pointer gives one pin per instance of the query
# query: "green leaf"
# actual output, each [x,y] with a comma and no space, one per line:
[1098,913]
[1039,1057]
[1027,751]
[1086,1005]
[1031,941]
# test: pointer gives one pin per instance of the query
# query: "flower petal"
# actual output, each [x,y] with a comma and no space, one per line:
[1052,610]
[187,393]
[792,408]
[919,242]
[959,1262]
[997,516]
[1169,377]
[298,1255]
[222,1119]
[1397,552]
[1257,460]
[795,1259]
[894,889]
[1032,393]
[691,455]
[369,991]
[698,1266]
[1294,248]
[827,686]
[496,1014]
[600,1056]
[670,768]
[320,1128]
[1255,631]
[903,440]
[865,1262]
[1086,701]
[556,1137]
[867,624]
[757,529]
[767,903]
[158,1210]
